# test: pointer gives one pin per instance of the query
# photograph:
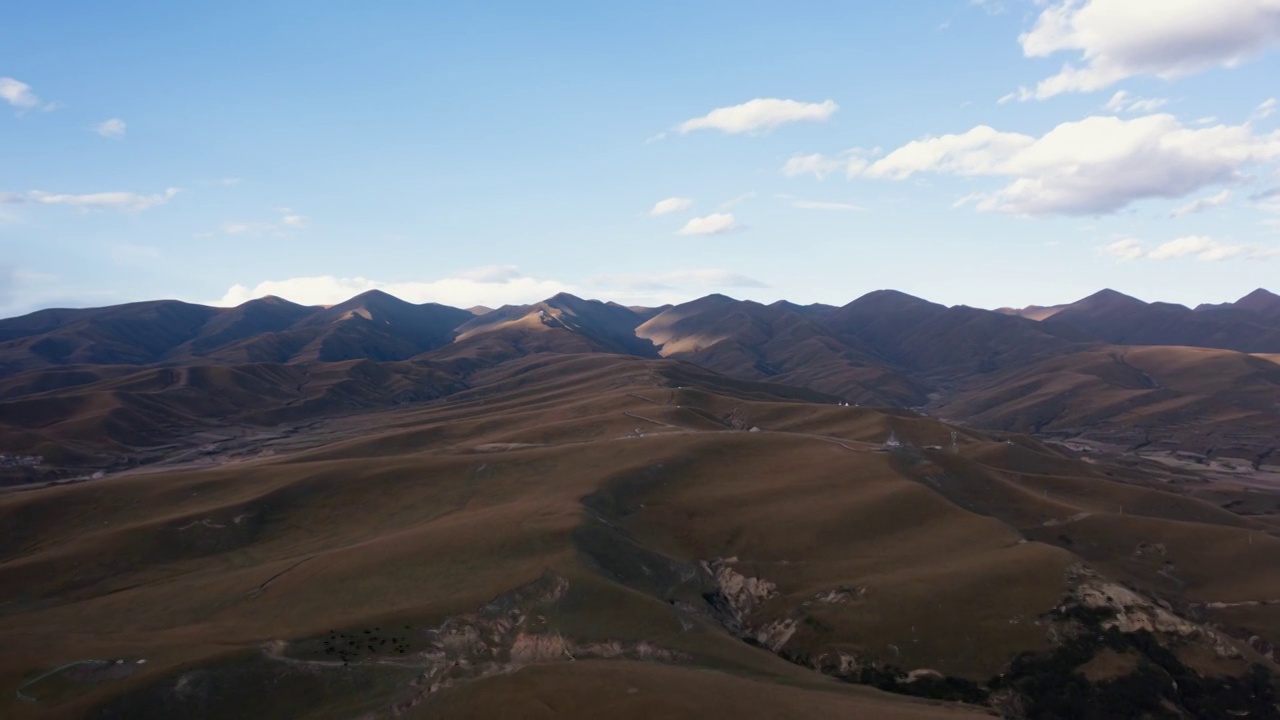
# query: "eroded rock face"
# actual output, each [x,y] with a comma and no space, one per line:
[507,634]
[1097,614]
[1136,613]
[739,595]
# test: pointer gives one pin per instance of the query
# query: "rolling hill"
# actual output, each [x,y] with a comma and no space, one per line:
[620,523]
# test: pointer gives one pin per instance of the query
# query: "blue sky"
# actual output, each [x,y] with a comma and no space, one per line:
[985,153]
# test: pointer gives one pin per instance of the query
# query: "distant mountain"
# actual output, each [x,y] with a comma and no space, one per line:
[132,334]
[944,341]
[378,326]
[1260,301]
[373,326]
[609,327]
[885,348]
[1123,320]
[752,341]
[1251,324]
[815,311]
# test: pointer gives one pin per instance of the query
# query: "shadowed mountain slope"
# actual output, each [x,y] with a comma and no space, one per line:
[1260,301]
[1209,402]
[133,334]
[945,342]
[1252,324]
[750,340]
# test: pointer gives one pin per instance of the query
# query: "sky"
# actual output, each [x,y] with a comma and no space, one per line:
[980,152]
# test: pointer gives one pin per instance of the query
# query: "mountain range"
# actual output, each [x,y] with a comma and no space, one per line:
[1072,370]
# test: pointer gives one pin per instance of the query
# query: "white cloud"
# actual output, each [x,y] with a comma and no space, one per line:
[645,282]
[850,162]
[817,165]
[91,201]
[992,7]
[113,128]
[1123,102]
[1124,248]
[1092,166]
[1119,39]
[289,220]
[455,291]
[670,205]
[1265,110]
[1200,247]
[713,224]
[1201,204]
[1203,248]
[980,151]
[760,114]
[19,95]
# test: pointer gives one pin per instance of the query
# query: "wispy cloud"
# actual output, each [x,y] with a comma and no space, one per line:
[91,201]
[738,200]
[803,204]
[113,128]
[670,205]
[289,220]
[1200,247]
[292,219]
[713,224]
[1123,102]
[991,7]
[825,205]
[1202,204]
[1265,110]
[761,114]
[851,162]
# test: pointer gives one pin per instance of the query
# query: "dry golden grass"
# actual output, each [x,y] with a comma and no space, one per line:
[616,474]
[625,690]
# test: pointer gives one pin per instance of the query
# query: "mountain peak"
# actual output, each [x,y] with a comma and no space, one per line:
[887,299]
[1260,300]
[1107,298]
[565,297]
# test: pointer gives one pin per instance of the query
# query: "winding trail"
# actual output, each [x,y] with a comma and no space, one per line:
[27,698]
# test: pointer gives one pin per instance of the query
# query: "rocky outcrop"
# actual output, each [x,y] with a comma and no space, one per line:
[1130,612]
